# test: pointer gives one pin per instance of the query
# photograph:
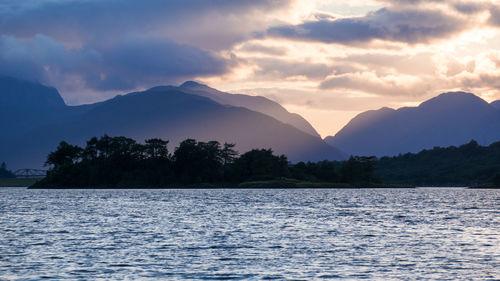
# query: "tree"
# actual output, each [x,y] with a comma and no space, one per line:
[91,151]
[324,171]
[259,164]
[4,173]
[187,158]
[156,148]
[103,146]
[228,153]
[358,169]
[196,162]
[496,180]
[122,147]
[65,155]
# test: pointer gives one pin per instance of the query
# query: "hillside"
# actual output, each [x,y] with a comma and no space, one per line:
[165,112]
[468,164]
[449,119]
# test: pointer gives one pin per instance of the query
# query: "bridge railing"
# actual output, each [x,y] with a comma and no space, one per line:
[30,173]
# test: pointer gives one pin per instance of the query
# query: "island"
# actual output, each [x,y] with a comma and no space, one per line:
[121,162]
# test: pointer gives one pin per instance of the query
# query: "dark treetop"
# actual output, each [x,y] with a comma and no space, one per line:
[466,165]
[122,162]
[4,173]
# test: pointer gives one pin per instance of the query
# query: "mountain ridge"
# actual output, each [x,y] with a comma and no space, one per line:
[496,104]
[169,113]
[20,93]
[451,118]
[257,103]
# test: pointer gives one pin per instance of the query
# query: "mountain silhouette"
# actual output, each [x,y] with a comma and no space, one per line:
[255,103]
[27,105]
[496,104]
[167,112]
[20,93]
[449,119]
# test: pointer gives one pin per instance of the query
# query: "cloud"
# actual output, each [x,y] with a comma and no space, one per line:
[495,16]
[485,75]
[147,61]
[384,64]
[369,82]
[329,100]
[469,8]
[79,22]
[402,48]
[410,2]
[401,25]
[271,68]
[262,49]
[82,46]
[126,65]
[439,73]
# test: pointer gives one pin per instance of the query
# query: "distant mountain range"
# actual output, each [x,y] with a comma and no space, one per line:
[449,119]
[34,119]
[255,103]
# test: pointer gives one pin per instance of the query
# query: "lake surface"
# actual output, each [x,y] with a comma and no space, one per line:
[384,234]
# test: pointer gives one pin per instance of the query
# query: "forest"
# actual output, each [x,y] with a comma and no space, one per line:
[467,165]
[120,162]
[123,162]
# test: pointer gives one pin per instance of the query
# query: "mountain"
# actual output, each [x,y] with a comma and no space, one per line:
[449,119]
[20,93]
[496,104]
[255,103]
[166,112]
[26,105]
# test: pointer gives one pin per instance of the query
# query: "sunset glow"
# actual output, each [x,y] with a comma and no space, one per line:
[327,60]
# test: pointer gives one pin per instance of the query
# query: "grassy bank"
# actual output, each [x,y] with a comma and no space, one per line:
[290,183]
[280,183]
[18,182]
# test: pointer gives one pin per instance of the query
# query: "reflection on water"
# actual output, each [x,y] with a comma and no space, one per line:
[250,234]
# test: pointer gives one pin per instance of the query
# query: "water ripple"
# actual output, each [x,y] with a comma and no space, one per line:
[444,234]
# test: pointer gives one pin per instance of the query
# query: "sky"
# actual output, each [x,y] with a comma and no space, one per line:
[326,60]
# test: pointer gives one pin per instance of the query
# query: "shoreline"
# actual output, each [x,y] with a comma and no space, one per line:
[270,184]
[28,182]
[18,182]
[201,187]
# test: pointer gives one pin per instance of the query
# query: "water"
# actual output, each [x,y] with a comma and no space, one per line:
[389,234]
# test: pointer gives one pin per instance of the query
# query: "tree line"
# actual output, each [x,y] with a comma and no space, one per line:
[4,172]
[123,162]
[467,165]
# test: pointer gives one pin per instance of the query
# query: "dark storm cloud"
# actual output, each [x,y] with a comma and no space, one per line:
[495,16]
[406,25]
[147,61]
[470,7]
[121,44]
[126,65]
[102,21]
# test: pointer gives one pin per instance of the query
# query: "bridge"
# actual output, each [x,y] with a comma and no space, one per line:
[30,173]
